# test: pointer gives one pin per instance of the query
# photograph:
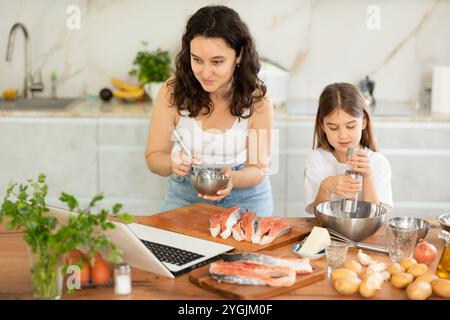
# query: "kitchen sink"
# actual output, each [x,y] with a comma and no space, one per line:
[37,104]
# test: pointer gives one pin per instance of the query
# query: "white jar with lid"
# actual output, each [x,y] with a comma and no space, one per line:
[122,279]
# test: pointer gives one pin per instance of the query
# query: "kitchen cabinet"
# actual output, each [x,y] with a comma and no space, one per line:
[101,152]
[122,171]
[65,149]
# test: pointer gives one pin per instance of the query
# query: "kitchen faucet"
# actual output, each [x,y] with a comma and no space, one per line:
[29,86]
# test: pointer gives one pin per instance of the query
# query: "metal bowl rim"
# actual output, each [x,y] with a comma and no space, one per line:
[382,215]
[442,221]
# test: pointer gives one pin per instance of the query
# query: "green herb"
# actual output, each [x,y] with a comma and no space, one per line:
[151,66]
[24,207]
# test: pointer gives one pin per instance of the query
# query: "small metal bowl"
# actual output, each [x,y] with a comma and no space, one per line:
[208,181]
[296,248]
[409,223]
[444,220]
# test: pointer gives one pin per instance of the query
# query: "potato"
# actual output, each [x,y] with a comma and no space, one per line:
[419,290]
[407,262]
[418,269]
[441,287]
[428,277]
[401,280]
[347,284]
[341,272]
[366,290]
[354,266]
[395,268]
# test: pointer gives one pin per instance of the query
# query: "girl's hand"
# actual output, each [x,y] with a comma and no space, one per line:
[344,186]
[224,192]
[360,163]
[181,163]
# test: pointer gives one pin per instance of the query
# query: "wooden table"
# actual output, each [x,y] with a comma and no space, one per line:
[15,280]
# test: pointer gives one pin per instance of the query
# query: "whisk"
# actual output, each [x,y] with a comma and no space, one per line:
[361,245]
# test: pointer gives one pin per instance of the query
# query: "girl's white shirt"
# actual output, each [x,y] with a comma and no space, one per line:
[321,164]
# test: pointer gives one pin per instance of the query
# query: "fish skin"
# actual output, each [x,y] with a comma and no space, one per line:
[300,265]
[273,275]
[238,280]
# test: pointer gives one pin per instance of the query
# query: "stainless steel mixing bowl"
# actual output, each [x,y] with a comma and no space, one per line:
[357,226]
[408,223]
[208,181]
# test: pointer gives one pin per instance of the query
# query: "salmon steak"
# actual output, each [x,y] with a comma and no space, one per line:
[243,229]
[222,223]
[247,226]
[300,265]
[268,229]
[250,273]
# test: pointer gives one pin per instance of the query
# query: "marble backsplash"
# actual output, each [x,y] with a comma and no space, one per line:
[395,42]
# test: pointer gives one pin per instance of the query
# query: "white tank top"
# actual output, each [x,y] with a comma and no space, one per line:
[215,148]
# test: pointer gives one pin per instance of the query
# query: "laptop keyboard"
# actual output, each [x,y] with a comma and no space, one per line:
[170,254]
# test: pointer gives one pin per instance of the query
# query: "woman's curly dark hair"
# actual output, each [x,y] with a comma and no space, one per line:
[247,88]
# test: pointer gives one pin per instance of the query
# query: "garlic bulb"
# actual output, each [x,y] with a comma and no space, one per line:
[374,280]
[364,259]
[376,267]
[386,275]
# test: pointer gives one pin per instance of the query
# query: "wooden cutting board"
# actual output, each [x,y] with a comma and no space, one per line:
[193,220]
[201,278]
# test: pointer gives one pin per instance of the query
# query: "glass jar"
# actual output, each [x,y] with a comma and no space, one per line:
[122,279]
[46,276]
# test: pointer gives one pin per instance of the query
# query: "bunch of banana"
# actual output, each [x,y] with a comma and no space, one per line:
[127,91]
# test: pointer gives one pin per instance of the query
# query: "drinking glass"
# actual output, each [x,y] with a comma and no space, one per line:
[400,241]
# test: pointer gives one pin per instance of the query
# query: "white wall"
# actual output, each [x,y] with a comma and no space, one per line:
[320,41]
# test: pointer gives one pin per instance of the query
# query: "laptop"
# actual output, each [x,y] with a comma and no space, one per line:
[157,250]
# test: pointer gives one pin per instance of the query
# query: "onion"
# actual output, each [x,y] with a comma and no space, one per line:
[425,252]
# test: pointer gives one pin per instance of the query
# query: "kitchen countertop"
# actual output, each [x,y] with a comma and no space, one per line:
[93,108]
[15,281]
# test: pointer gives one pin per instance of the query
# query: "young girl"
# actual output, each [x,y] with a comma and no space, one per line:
[342,121]
[215,100]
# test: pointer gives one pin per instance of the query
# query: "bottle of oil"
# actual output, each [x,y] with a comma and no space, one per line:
[443,268]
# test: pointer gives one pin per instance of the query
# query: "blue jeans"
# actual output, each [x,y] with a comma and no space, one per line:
[257,198]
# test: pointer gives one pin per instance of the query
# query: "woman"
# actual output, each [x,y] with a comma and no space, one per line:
[219,105]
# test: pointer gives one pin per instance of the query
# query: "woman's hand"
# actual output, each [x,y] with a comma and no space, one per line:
[360,163]
[224,192]
[343,186]
[181,163]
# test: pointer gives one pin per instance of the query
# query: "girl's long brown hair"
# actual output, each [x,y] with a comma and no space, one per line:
[348,98]
[247,88]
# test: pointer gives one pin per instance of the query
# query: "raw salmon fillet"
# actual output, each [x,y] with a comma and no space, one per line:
[242,230]
[223,222]
[269,228]
[244,272]
[300,265]
[277,229]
